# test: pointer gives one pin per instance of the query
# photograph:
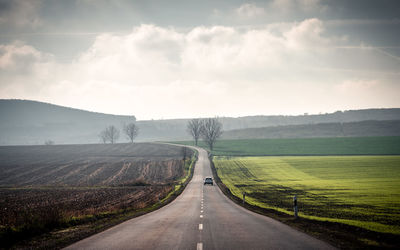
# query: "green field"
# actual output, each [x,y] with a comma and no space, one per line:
[307,146]
[363,191]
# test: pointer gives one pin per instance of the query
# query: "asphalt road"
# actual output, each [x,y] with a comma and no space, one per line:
[201,218]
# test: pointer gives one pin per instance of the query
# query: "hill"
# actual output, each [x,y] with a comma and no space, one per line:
[348,129]
[336,117]
[29,122]
[25,122]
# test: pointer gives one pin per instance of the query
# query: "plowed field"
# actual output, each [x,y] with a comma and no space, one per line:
[89,165]
[43,187]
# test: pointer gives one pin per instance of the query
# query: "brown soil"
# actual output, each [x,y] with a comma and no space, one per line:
[51,196]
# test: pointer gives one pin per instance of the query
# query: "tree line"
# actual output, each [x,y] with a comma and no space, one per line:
[209,129]
[111,133]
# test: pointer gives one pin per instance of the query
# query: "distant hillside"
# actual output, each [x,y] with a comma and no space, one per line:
[339,116]
[175,129]
[348,129]
[29,122]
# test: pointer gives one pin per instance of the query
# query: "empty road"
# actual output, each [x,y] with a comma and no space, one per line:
[201,218]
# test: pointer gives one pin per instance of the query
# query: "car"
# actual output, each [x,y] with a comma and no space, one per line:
[208,181]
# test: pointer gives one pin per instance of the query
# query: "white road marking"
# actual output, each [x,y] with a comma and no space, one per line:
[201,211]
[201,216]
[200,226]
[199,246]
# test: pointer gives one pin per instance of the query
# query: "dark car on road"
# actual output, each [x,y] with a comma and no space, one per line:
[208,181]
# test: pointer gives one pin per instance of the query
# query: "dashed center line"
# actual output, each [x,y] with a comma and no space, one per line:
[200,244]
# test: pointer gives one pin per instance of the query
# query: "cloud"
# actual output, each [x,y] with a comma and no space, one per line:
[20,13]
[296,5]
[218,70]
[18,57]
[306,34]
[357,85]
[250,10]
[367,92]
[28,73]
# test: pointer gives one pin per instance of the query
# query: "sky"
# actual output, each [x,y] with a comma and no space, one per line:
[161,59]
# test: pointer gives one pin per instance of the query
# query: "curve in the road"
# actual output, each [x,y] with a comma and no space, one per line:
[201,218]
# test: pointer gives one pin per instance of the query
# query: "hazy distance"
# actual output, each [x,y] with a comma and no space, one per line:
[33,123]
[181,59]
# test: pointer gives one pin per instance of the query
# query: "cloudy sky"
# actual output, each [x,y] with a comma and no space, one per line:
[177,59]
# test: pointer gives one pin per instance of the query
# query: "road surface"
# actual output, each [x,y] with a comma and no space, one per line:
[201,218]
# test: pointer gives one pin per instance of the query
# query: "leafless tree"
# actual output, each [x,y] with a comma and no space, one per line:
[103,136]
[49,142]
[194,129]
[111,134]
[211,130]
[131,131]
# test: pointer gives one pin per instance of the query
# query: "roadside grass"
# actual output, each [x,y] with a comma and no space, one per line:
[306,146]
[362,191]
[180,185]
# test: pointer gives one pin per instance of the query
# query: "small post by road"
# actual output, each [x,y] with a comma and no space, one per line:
[244,198]
[295,207]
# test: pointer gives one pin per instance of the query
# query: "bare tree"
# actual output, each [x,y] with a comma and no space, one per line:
[110,133]
[103,136]
[131,131]
[211,130]
[49,142]
[194,129]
